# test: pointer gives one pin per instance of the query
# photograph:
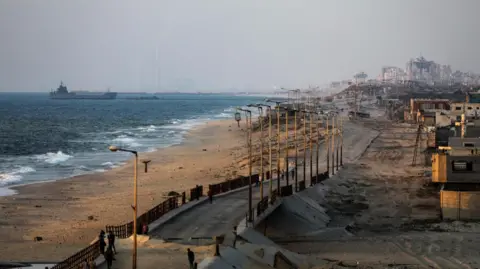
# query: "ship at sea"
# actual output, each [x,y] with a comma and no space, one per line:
[63,93]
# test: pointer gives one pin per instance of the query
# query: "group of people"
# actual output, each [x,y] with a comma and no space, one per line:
[111,250]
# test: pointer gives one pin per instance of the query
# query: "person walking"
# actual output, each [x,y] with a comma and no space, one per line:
[111,241]
[210,196]
[234,236]
[109,257]
[191,258]
[101,239]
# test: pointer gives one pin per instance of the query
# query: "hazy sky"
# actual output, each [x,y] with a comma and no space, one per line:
[224,44]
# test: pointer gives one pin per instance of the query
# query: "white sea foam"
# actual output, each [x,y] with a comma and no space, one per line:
[148,129]
[53,158]
[15,175]
[110,164]
[185,125]
[128,141]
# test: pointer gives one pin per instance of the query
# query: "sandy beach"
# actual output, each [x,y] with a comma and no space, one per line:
[60,211]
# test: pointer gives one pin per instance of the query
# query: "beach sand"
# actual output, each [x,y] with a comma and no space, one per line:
[59,211]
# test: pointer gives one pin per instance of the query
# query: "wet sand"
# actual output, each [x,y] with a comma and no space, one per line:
[68,213]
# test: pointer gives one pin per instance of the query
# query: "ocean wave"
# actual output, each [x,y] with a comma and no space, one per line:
[224,115]
[15,175]
[53,158]
[128,141]
[148,129]
[110,164]
[185,125]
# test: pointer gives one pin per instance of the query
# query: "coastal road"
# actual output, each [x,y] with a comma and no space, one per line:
[208,220]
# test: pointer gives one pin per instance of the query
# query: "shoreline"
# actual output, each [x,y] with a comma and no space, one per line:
[69,212]
[14,188]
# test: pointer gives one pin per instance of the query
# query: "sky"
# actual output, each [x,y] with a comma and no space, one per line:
[222,45]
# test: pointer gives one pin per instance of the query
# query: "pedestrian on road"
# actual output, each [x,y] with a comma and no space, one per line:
[234,236]
[101,238]
[210,196]
[111,241]
[191,258]
[109,257]
[293,173]
[145,229]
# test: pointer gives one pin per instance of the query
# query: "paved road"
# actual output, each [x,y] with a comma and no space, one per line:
[218,218]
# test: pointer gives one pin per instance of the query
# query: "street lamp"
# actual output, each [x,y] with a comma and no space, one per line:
[278,140]
[341,142]
[295,143]
[269,113]
[327,143]
[318,143]
[249,134]
[135,196]
[333,145]
[260,119]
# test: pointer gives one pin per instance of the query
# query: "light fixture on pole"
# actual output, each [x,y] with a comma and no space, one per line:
[270,177]
[249,134]
[278,141]
[333,145]
[260,119]
[135,199]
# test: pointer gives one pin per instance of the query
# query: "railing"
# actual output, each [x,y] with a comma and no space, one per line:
[92,252]
[89,254]
[321,177]
[286,190]
[262,205]
[301,185]
[273,198]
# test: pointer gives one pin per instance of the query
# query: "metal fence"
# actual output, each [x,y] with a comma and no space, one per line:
[88,254]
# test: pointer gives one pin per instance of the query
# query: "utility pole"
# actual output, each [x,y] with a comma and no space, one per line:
[341,142]
[286,146]
[311,145]
[333,145]
[249,135]
[304,145]
[317,144]
[327,144]
[260,119]
[356,98]
[296,150]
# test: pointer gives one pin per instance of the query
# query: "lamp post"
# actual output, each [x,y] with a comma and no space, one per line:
[305,112]
[278,141]
[318,144]
[286,147]
[135,196]
[341,142]
[305,145]
[327,144]
[311,146]
[249,134]
[269,112]
[338,142]
[333,145]
[260,119]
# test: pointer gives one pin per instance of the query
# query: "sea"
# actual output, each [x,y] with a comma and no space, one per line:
[43,139]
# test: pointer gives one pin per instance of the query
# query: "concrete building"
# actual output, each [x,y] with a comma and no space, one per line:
[419,106]
[457,168]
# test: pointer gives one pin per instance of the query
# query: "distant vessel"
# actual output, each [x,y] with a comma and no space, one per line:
[63,93]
